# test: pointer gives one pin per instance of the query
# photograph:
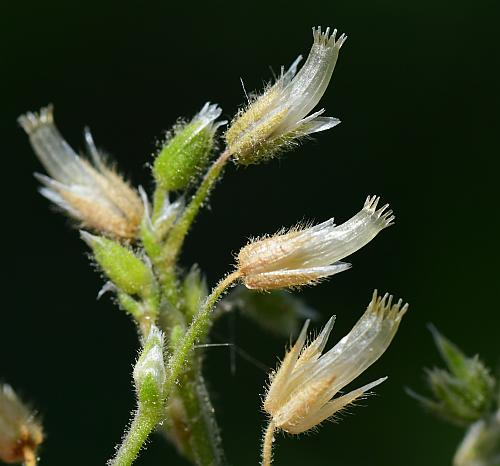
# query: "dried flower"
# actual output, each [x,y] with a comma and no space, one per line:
[279,116]
[304,255]
[301,392]
[94,194]
[20,431]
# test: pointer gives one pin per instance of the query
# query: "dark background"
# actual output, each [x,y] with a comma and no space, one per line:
[415,88]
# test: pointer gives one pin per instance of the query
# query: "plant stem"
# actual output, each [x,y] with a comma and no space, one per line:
[178,232]
[267,444]
[197,330]
[144,422]
[204,437]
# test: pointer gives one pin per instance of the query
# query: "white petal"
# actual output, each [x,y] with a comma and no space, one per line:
[318,124]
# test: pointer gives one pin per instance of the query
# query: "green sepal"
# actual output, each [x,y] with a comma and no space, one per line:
[130,305]
[127,271]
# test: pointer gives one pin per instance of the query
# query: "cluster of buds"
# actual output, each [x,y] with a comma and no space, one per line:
[20,431]
[465,392]
[302,390]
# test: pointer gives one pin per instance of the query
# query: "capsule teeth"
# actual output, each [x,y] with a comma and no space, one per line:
[341,40]
[326,39]
[371,203]
[31,121]
[385,308]
[380,211]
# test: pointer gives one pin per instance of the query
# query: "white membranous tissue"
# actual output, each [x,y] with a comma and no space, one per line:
[136,237]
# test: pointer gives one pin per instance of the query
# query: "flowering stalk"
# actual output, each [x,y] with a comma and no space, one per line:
[197,330]
[137,246]
[179,231]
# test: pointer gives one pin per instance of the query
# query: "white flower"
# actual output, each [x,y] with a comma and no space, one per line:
[280,114]
[92,193]
[302,390]
[304,255]
[20,431]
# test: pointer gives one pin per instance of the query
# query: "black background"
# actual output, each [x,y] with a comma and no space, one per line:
[415,88]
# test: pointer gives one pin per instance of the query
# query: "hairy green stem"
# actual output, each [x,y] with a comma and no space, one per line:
[204,438]
[144,422]
[177,234]
[197,330]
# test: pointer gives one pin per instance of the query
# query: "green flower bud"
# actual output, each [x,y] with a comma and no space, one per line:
[149,371]
[186,154]
[120,264]
[463,393]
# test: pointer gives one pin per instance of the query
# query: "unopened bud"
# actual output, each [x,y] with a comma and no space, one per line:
[149,371]
[186,154]
[129,273]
